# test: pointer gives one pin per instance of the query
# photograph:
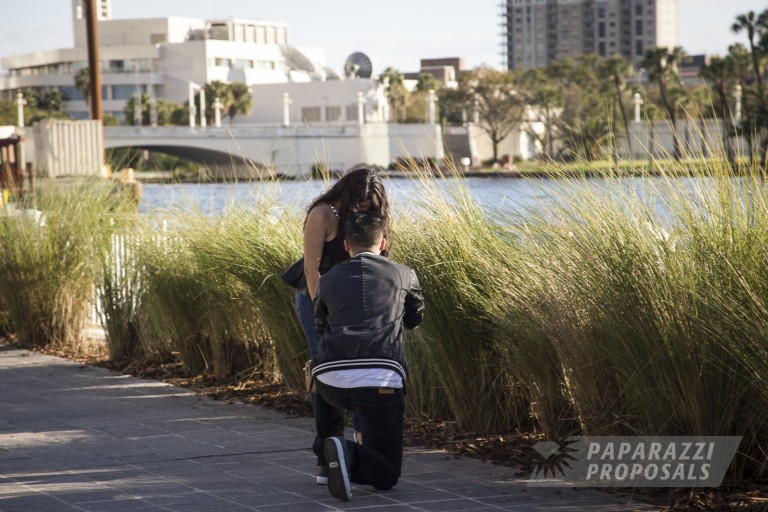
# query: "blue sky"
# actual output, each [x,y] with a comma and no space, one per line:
[393,33]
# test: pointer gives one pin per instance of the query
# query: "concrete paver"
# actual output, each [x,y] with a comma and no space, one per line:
[80,438]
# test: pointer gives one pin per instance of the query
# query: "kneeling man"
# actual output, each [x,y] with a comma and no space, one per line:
[361,308]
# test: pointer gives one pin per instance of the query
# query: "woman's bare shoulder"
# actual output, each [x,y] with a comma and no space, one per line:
[321,212]
[321,217]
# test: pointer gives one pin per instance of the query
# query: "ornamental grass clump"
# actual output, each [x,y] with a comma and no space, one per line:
[255,247]
[652,298]
[462,260]
[51,244]
[119,293]
[191,308]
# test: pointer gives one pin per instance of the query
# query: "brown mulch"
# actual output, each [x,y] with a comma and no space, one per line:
[511,450]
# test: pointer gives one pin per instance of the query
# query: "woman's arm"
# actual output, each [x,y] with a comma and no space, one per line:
[316,231]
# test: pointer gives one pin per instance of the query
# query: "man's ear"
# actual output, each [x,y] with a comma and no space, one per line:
[383,244]
[346,245]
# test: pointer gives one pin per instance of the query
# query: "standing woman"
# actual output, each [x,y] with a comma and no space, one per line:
[359,190]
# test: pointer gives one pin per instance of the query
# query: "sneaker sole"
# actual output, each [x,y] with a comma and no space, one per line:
[338,478]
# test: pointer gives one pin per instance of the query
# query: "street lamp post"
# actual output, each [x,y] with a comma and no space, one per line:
[203,123]
[217,112]
[20,102]
[737,95]
[431,99]
[637,99]
[192,109]
[360,108]
[286,109]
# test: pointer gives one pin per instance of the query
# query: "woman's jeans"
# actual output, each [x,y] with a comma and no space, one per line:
[306,312]
[378,461]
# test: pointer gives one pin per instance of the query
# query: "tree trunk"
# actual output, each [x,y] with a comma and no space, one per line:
[727,120]
[617,82]
[550,141]
[614,140]
[672,118]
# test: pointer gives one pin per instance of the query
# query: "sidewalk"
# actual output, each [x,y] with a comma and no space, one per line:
[81,438]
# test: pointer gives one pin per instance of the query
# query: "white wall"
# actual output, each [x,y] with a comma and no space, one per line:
[268,101]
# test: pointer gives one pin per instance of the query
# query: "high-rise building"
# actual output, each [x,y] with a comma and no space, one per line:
[538,32]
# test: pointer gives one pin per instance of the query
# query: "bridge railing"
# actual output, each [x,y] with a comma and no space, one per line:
[251,131]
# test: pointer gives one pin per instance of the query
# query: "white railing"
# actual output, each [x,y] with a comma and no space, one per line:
[236,132]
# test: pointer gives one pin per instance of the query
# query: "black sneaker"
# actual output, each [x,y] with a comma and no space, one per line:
[338,469]
[322,475]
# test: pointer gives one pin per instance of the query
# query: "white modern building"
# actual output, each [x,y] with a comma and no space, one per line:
[303,112]
[166,57]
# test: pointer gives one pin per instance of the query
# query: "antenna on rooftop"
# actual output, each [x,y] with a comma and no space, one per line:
[358,65]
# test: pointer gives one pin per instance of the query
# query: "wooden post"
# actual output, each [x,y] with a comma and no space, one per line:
[94,84]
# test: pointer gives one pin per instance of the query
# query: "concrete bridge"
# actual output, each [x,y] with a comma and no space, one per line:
[287,150]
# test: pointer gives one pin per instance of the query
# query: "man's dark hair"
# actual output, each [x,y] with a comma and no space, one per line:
[364,229]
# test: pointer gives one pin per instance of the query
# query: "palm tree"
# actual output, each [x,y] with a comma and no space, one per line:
[755,27]
[217,89]
[617,68]
[392,80]
[241,100]
[83,84]
[137,107]
[662,66]
[719,73]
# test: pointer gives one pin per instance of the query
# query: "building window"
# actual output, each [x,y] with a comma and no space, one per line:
[352,112]
[311,114]
[601,48]
[639,47]
[638,27]
[71,93]
[332,113]
[242,64]
[601,29]
[221,62]
[124,92]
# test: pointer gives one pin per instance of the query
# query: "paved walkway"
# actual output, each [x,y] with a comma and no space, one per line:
[81,438]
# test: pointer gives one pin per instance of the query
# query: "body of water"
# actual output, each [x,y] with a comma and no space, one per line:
[495,194]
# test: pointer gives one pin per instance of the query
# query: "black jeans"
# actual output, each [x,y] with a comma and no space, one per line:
[378,461]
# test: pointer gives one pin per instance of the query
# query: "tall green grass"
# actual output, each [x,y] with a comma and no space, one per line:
[622,307]
[648,305]
[51,244]
[462,259]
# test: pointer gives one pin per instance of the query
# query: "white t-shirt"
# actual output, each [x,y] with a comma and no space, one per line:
[362,378]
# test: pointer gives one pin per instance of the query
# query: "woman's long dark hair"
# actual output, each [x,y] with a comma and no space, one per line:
[357,185]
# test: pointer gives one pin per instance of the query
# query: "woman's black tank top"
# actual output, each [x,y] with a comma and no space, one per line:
[333,250]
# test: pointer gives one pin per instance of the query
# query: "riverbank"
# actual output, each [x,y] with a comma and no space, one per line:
[533,170]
